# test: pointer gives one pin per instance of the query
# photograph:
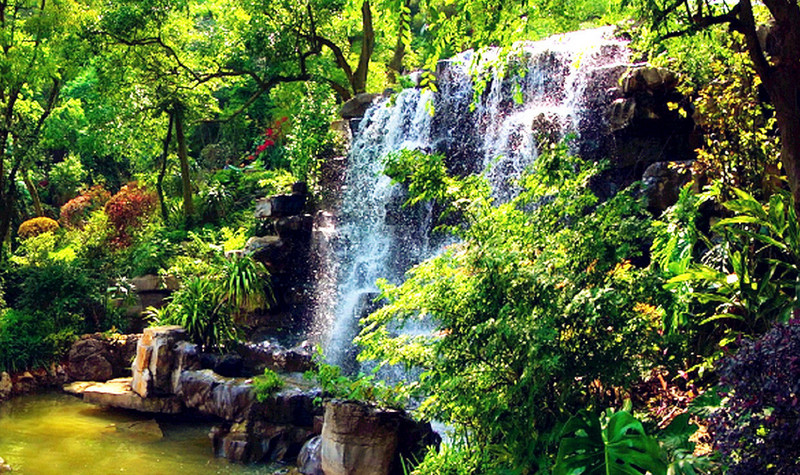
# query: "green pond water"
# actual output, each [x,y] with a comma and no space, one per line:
[55,433]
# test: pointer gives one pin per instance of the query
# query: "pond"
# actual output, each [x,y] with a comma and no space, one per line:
[55,433]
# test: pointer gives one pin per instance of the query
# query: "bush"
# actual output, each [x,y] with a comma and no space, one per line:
[208,305]
[267,384]
[758,425]
[543,307]
[23,340]
[36,226]
[65,291]
[75,212]
[128,209]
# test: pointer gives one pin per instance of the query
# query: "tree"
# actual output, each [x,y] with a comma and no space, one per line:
[39,46]
[773,48]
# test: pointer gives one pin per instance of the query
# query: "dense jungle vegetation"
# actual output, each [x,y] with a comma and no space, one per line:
[574,335]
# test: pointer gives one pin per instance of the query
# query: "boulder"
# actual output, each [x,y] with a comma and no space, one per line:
[211,394]
[266,354]
[363,439]
[155,360]
[357,438]
[99,357]
[254,440]
[650,121]
[357,106]
[309,461]
[280,205]
[118,393]
[90,360]
[648,79]
[663,182]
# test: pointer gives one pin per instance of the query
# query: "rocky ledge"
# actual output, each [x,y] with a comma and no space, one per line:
[289,426]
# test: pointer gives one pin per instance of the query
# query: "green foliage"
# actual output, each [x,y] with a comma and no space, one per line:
[753,284]
[196,307]
[617,443]
[23,340]
[151,251]
[210,302]
[541,292]
[267,384]
[362,387]
[617,446]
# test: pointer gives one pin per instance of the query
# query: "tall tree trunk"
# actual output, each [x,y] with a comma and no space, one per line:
[785,95]
[37,203]
[367,46]
[163,170]
[183,157]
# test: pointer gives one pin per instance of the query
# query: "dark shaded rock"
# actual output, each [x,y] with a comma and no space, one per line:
[229,365]
[357,106]
[90,359]
[295,227]
[663,182]
[280,205]
[651,122]
[99,357]
[259,356]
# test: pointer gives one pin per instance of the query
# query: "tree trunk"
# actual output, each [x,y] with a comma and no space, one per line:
[367,46]
[188,205]
[785,95]
[37,203]
[163,171]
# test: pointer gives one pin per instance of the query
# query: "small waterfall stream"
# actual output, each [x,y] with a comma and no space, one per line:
[550,87]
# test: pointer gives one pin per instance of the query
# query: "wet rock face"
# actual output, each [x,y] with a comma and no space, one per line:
[214,395]
[273,430]
[663,182]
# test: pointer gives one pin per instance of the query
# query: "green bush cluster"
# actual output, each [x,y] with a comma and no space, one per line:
[545,306]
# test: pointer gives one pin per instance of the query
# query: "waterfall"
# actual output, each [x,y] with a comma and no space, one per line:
[553,87]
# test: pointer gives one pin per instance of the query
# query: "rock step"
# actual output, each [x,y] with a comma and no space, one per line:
[118,393]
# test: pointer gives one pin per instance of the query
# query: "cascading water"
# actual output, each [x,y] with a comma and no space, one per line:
[552,87]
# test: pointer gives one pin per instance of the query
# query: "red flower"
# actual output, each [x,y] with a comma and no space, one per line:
[261,148]
[270,132]
[268,143]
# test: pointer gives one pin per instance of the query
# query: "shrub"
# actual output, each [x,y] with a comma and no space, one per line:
[196,307]
[23,340]
[65,291]
[267,384]
[758,425]
[75,212]
[210,301]
[542,309]
[127,209]
[36,226]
